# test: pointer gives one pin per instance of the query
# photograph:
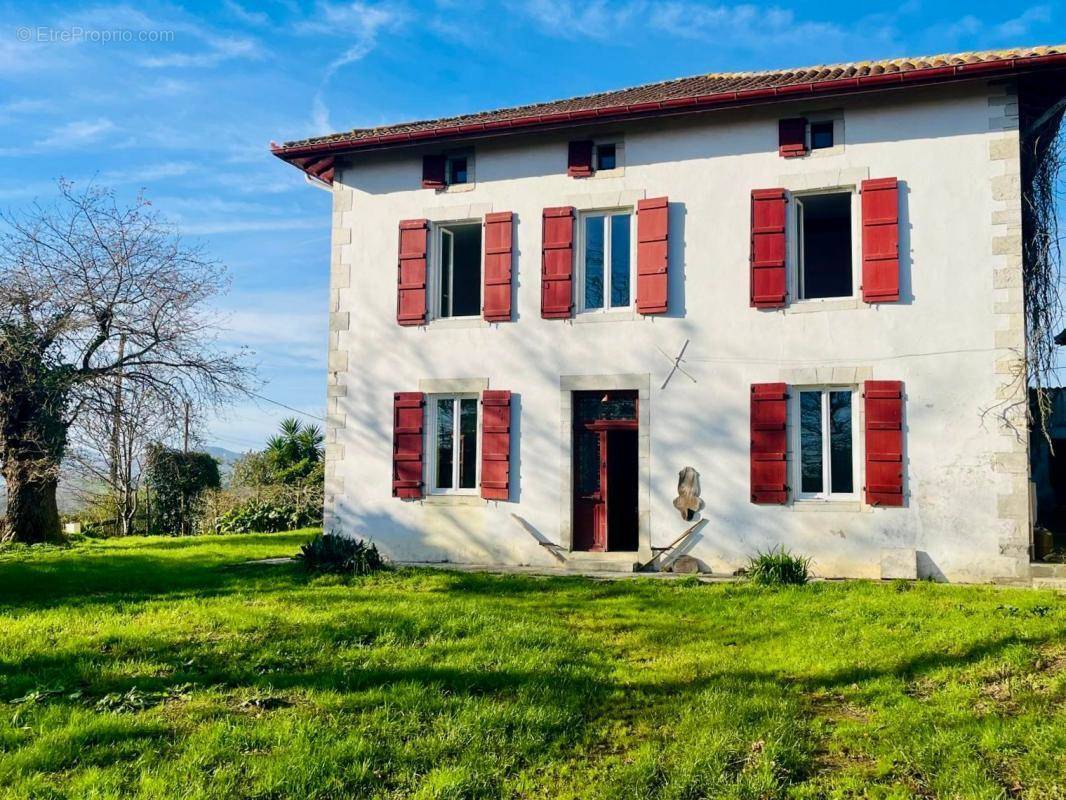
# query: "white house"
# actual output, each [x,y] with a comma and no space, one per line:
[806,285]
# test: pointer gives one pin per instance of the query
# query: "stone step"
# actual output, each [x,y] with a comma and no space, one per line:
[1058,584]
[601,562]
[1047,570]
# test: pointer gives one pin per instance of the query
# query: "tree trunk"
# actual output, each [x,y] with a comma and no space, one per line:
[32,513]
[33,438]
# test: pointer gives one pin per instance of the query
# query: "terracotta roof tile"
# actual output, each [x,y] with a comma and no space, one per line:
[696,88]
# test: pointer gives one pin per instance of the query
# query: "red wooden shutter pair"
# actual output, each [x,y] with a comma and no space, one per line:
[433,172]
[579,159]
[880,244]
[411,291]
[880,240]
[407,415]
[792,137]
[498,256]
[557,259]
[769,443]
[884,442]
[414,248]
[653,255]
[495,444]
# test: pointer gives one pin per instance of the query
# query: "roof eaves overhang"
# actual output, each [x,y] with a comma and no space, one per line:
[317,159]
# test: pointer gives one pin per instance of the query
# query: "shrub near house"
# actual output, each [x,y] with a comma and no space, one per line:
[276,489]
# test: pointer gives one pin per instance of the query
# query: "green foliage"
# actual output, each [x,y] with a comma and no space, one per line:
[341,554]
[269,511]
[177,481]
[294,454]
[778,567]
[275,489]
[156,667]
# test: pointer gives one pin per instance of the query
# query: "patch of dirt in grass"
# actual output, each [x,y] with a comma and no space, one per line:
[1004,689]
[832,710]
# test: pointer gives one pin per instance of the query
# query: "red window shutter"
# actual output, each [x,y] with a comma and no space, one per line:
[884,442]
[579,160]
[769,467]
[432,172]
[407,444]
[653,255]
[557,263]
[768,283]
[411,290]
[792,137]
[498,244]
[880,240]
[495,444]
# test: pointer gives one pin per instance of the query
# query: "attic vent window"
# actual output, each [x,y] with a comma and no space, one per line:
[606,156]
[821,135]
[456,170]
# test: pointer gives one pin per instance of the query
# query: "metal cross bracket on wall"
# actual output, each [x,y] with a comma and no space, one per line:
[676,364]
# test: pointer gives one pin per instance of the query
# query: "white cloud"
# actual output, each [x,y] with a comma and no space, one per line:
[358,21]
[257,18]
[220,48]
[1020,25]
[572,19]
[207,228]
[148,172]
[85,131]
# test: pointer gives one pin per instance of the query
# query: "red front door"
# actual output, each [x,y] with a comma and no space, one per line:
[596,416]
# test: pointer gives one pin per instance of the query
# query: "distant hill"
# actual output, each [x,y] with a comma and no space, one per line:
[226,457]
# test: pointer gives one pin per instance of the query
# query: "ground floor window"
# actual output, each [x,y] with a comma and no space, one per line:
[825,441]
[452,457]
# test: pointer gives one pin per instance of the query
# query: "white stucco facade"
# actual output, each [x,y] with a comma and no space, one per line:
[953,339]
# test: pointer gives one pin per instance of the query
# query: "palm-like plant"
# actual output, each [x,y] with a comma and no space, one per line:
[295,450]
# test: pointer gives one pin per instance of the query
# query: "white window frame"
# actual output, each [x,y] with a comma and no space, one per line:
[431,444]
[795,242]
[579,261]
[826,495]
[433,284]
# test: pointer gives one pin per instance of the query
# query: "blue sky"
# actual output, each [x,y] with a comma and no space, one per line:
[185,104]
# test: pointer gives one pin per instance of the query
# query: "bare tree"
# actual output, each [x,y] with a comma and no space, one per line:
[93,294]
[109,443]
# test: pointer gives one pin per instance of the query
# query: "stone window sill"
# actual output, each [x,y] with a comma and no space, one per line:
[454,500]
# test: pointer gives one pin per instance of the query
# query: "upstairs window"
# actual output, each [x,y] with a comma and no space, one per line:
[605,259]
[456,277]
[826,443]
[452,450]
[824,245]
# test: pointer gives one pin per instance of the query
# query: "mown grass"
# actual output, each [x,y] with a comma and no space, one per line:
[164,668]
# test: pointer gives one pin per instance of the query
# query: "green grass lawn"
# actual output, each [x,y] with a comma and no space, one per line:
[165,668]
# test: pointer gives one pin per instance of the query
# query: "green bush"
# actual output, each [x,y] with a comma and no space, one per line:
[331,553]
[270,516]
[778,567]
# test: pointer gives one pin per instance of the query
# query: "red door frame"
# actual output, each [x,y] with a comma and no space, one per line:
[595,503]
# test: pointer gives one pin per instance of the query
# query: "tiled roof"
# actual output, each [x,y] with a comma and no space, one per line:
[715,90]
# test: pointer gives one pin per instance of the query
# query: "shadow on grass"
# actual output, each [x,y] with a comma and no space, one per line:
[121,573]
